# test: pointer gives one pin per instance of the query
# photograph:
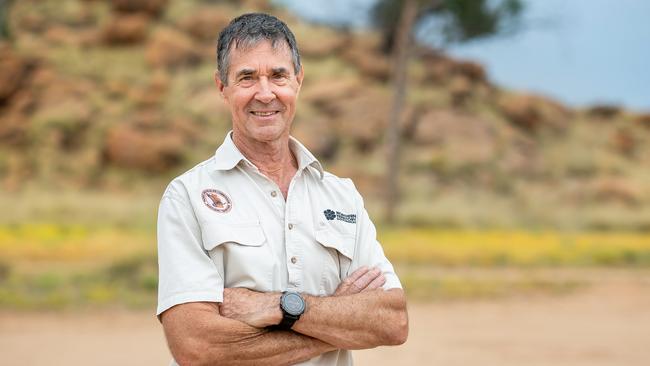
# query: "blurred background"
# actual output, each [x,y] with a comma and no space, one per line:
[501,148]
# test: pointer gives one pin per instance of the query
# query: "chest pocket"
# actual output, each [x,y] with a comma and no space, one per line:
[240,252]
[341,248]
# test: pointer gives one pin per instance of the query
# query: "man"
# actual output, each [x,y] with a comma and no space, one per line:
[265,259]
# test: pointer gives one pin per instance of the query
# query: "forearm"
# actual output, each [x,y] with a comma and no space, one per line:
[213,339]
[363,320]
[272,348]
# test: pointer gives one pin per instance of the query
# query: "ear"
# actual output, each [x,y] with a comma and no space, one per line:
[300,76]
[219,83]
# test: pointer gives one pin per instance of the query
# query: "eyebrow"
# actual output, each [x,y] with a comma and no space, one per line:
[280,70]
[244,72]
[275,71]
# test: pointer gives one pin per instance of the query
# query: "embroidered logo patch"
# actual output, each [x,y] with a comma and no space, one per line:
[331,215]
[216,200]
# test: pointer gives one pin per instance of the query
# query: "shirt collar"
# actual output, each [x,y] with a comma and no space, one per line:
[304,157]
[228,155]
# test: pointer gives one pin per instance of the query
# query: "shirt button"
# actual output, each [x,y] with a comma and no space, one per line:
[290,226]
[294,260]
[274,193]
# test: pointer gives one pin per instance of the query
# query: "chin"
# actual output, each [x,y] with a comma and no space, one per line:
[267,133]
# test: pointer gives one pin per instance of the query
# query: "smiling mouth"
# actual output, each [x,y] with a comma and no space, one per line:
[264,114]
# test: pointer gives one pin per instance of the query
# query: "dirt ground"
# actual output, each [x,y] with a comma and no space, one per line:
[607,323]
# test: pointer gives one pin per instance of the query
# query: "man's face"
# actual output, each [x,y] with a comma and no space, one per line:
[262,91]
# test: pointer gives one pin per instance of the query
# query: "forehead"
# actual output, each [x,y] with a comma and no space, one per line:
[259,55]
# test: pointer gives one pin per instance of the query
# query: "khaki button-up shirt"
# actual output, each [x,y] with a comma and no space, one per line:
[225,224]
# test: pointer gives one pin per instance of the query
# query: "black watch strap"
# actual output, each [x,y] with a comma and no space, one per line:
[292,306]
[287,321]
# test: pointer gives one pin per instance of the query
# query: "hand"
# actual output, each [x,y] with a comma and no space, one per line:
[362,280]
[257,309]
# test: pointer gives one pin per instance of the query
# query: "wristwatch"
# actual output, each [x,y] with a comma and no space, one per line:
[292,306]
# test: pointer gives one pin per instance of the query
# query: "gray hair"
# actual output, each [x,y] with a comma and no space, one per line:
[250,29]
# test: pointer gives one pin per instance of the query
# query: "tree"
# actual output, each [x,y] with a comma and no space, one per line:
[5,6]
[460,21]
[403,36]
[457,20]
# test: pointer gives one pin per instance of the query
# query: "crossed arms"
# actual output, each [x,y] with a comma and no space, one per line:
[360,314]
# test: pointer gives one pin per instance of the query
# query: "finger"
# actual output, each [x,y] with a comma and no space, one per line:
[346,286]
[376,283]
[365,280]
[357,274]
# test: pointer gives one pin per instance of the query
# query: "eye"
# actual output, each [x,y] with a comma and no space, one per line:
[278,78]
[246,80]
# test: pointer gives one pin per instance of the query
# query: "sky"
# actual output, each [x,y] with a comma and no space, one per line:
[580,52]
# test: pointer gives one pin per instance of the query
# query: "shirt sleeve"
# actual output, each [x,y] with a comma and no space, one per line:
[186,271]
[368,251]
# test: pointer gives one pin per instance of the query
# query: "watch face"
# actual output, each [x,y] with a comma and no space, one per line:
[293,304]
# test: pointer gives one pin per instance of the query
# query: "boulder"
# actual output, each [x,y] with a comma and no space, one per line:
[60,34]
[257,5]
[318,41]
[14,71]
[531,112]
[14,127]
[373,66]
[208,103]
[441,68]
[33,22]
[206,23]
[437,68]
[614,189]
[464,137]
[363,51]
[153,94]
[643,120]
[128,146]
[363,118]
[318,135]
[170,48]
[473,71]
[62,123]
[151,7]
[460,90]
[624,141]
[126,29]
[604,111]
[325,94]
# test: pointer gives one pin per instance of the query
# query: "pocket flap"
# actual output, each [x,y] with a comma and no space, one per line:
[332,239]
[215,234]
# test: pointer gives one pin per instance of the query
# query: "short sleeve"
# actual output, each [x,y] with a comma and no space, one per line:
[186,271]
[368,251]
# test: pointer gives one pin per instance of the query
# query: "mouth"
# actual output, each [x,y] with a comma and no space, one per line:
[264,113]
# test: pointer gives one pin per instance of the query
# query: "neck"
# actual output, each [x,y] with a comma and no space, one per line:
[273,158]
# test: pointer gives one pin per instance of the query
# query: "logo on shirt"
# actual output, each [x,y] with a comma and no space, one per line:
[331,215]
[216,200]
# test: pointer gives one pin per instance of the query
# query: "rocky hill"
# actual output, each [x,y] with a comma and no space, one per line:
[117,95]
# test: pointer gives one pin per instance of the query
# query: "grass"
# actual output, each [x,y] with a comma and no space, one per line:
[455,287]
[515,248]
[55,266]
[128,282]
[73,249]
[71,243]
[438,247]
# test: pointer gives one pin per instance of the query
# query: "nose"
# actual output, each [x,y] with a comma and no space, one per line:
[264,93]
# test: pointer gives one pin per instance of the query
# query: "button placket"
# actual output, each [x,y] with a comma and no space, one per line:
[292,244]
